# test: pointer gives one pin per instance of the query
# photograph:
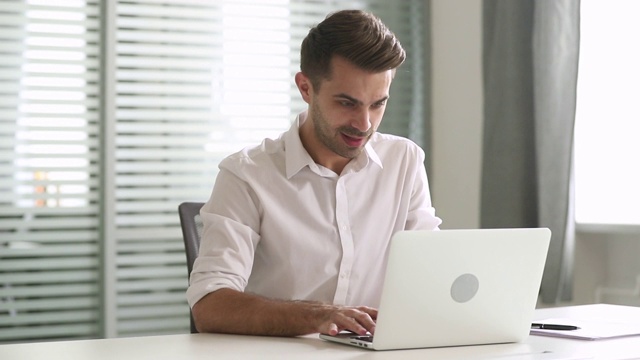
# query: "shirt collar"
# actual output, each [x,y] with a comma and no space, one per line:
[297,156]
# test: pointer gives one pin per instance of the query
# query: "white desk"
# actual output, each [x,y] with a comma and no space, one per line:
[216,346]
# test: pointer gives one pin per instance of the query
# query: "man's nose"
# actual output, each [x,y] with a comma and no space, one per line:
[362,121]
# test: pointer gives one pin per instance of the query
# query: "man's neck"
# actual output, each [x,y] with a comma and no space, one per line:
[318,152]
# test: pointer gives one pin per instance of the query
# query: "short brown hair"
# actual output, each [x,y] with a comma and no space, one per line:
[359,37]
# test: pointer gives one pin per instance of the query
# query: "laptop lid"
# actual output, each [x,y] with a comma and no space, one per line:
[459,287]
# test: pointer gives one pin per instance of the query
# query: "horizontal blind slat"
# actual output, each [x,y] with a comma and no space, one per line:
[71,331]
[43,291]
[51,264]
[49,277]
[55,304]
[58,317]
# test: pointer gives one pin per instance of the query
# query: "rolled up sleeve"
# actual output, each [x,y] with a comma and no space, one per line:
[228,242]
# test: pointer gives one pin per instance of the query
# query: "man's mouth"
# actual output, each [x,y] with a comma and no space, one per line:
[352,141]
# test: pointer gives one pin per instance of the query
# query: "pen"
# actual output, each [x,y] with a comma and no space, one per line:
[553,327]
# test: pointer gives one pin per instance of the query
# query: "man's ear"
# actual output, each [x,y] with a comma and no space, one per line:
[304,86]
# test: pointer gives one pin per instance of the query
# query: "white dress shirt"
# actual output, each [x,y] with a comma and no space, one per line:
[281,226]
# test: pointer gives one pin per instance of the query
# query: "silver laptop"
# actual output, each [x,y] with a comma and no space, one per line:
[457,287]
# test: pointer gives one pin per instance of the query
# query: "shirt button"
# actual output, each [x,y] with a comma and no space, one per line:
[344,227]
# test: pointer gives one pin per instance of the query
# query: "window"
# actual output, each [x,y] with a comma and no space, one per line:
[114,112]
[607,115]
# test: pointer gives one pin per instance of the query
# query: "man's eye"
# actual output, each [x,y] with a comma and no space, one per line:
[380,104]
[346,103]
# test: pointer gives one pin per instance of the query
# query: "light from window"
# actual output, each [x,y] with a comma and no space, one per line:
[254,76]
[607,135]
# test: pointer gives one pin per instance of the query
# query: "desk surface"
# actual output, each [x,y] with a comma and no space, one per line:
[217,346]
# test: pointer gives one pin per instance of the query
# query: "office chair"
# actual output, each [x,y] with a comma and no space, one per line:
[191,232]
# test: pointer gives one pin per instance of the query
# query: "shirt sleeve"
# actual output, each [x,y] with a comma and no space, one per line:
[229,238]
[422,214]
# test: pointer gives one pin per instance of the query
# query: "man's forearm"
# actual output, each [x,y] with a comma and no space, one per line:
[230,311]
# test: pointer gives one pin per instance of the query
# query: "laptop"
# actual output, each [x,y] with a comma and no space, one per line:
[457,287]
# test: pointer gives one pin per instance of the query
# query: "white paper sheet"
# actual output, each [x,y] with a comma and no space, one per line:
[589,329]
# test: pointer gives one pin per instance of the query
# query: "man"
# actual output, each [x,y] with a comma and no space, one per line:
[296,231]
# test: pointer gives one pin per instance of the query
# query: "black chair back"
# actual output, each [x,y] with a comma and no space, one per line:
[191,232]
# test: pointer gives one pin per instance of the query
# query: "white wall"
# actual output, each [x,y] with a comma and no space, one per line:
[607,268]
[456,111]
[607,263]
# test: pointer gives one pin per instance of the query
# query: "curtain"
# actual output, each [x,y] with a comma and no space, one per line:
[530,55]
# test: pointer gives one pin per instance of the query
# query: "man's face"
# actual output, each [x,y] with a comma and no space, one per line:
[348,108]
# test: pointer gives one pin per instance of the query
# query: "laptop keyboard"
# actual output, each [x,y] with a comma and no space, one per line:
[368,338]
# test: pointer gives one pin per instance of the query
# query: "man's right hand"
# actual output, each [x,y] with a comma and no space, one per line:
[360,320]
[235,312]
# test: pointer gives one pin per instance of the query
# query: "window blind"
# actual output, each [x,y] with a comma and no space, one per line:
[49,265]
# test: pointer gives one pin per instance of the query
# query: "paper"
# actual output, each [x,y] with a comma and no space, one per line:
[591,329]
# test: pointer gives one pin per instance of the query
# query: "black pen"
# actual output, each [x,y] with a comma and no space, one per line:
[553,327]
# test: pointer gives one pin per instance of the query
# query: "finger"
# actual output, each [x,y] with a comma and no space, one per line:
[351,324]
[366,321]
[329,329]
[333,329]
[373,312]
[356,321]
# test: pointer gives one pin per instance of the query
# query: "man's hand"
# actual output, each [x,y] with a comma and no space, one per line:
[360,320]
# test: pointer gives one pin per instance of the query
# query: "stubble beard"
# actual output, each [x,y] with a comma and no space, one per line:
[332,139]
